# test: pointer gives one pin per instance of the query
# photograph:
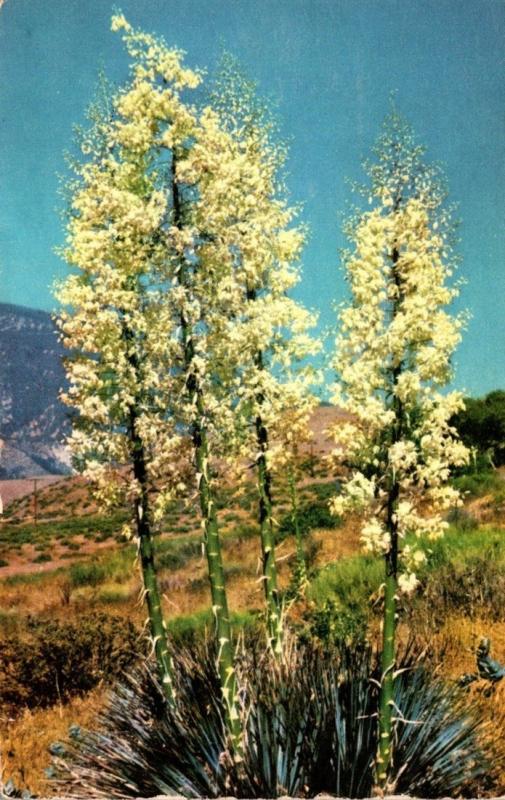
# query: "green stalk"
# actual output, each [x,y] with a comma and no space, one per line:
[146,553]
[267,537]
[386,699]
[211,537]
[274,616]
[212,542]
[144,536]
[301,567]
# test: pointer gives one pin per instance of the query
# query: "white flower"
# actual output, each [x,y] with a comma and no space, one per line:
[407,583]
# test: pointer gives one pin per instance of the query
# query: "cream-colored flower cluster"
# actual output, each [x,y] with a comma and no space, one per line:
[121,308]
[247,265]
[393,358]
[179,239]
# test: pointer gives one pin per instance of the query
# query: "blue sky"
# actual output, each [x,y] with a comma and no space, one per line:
[331,66]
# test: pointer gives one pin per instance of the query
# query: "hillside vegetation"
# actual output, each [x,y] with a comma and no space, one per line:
[71,620]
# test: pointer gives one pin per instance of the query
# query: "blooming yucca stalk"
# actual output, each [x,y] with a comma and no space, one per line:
[154,285]
[115,323]
[269,330]
[392,358]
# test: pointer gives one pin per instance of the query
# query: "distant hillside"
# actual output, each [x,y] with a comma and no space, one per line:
[32,420]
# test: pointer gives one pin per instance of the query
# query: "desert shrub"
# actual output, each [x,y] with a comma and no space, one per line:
[465,572]
[351,583]
[115,594]
[117,566]
[182,527]
[9,622]
[460,546]
[323,491]
[498,501]
[42,558]
[197,585]
[88,574]
[243,531]
[175,555]
[11,534]
[478,482]
[311,515]
[224,497]
[333,625]
[192,630]
[3,562]
[246,501]
[231,517]
[309,725]
[27,579]
[311,549]
[462,519]
[47,661]
[475,587]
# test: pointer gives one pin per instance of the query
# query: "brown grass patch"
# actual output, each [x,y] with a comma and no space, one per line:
[24,742]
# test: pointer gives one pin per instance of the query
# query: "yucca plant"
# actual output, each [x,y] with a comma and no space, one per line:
[309,726]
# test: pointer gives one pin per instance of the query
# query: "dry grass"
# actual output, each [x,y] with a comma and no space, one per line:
[456,642]
[337,543]
[24,741]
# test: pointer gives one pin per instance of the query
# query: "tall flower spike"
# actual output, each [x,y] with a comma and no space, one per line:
[119,322]
[393,356]
[269,330]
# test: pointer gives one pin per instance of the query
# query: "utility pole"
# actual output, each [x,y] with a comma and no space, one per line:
[35,482]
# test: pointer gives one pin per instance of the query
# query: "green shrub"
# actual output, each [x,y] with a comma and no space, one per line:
[323,491]
[481,424]
[193,628]
[334,625]
[197,585]
[350,583]
[27,579]
[477,483]
[42,558]
[87,574]
[231,517]
[114,594]
[499,500]
[459,546]
[315,514]
[247,501]
[12,534]
[101,537]
[243,531]
[172,554]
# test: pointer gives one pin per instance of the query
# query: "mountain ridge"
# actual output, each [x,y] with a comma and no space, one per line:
[33,421]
